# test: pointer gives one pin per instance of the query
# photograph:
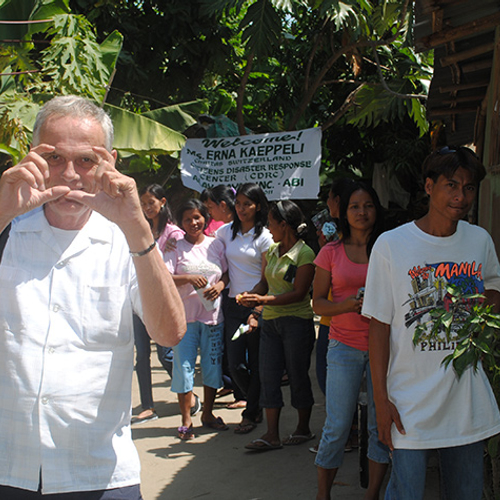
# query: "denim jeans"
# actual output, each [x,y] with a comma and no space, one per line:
[143,362]
[461,473]
[321,356]
[243,356]
[210,340]
[286,343]
[346,367]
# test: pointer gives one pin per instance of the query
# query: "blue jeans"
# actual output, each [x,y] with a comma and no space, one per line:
[461,473]
[346,367]
[286,343]
[321,356]
[143,362]
[210,340]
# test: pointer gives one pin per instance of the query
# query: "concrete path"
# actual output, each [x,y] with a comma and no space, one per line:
[216,466]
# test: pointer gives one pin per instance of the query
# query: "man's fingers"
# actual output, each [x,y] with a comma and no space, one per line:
[384,435]
[388,441]
[81,197]
[397,421]
[106,164]
[115,184]
[29,172]
[54,193]
[37,154]
[104,154]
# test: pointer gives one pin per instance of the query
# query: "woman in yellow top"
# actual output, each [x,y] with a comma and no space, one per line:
[287,336]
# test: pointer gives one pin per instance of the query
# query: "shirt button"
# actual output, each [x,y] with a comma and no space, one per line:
[45,401]
[56,307]
[61,264]
[51,350]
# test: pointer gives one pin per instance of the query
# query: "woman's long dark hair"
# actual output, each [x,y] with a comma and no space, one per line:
[378,227]
[220,193]
[255,193]
[165,215]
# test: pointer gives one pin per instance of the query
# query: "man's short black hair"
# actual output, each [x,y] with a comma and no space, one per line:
[447,160]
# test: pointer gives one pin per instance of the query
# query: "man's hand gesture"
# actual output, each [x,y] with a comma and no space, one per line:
[115,195]
[22,187]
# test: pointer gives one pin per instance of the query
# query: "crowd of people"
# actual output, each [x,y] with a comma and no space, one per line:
[91,267]
[267,276]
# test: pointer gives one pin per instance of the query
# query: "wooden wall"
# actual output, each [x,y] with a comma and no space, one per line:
[489,198]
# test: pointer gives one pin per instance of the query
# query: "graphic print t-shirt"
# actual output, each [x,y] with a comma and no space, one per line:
[407,278]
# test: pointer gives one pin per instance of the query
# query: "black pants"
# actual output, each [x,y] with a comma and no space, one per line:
[126,493]
[243,357]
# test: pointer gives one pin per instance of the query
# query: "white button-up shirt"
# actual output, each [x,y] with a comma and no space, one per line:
[66,358]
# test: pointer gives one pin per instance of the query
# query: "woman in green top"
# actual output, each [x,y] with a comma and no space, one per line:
[287,336]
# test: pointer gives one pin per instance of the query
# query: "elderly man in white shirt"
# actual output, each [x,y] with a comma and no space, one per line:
[79,259]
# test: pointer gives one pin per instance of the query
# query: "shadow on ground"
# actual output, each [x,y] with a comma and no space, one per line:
[216,466]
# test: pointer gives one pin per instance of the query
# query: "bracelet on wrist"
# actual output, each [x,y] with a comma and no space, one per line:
[144,252]
[256,313]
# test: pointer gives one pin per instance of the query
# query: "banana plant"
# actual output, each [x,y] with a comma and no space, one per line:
[73,62]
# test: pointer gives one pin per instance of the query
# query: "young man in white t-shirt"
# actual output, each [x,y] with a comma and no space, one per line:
[421,405]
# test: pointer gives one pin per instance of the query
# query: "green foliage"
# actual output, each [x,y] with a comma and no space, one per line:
[471,325]
[376,105]
[179,116]
[223,102]
[138,134]
[474,328]
[419,114]
[203,50]
[211,7]
[344,15]
[74,63]
[172,51]
[17,117]
[261,28]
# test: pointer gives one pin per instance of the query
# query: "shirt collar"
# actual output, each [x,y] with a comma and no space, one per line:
[97,227]
[251,232]
[292,254]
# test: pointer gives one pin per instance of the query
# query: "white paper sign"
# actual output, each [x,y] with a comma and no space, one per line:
[285,164]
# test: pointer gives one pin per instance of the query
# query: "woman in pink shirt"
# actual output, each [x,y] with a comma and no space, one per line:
[342,266]
[219,201]
[199,269]
[157,212]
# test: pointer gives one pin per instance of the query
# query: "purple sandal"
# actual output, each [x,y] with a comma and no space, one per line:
[185,433]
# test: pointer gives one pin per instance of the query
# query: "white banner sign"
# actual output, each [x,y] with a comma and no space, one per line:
[285,164]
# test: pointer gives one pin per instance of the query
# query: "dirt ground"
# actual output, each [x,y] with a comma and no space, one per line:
[217,466]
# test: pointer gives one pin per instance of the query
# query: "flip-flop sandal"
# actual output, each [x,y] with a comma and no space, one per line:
[217,425]
[185,433]
[262,445]
[245,428]
[237,405]
[295,439]
[222,393]
[194,410]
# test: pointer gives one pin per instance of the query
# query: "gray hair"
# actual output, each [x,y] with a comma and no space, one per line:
[74,106]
